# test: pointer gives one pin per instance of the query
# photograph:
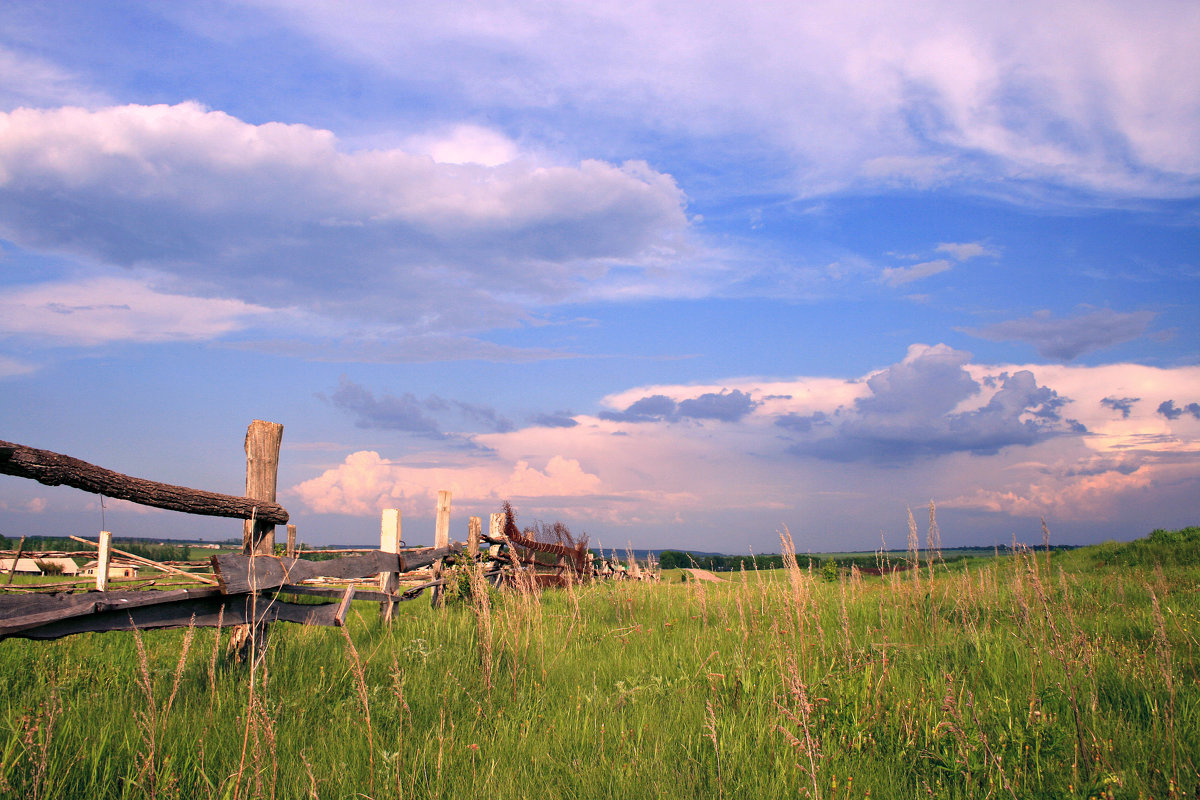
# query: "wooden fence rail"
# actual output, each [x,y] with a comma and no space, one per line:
[55,469]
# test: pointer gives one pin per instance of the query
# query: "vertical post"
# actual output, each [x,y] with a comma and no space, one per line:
[103,557]
[441,531]
[474,529]
[262,471]
[496,533]
[441,538]
[291,543]
[389,542]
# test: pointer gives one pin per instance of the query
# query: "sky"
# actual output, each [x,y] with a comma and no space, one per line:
[681,275]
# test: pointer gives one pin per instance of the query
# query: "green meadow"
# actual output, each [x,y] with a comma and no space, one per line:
[1064,674]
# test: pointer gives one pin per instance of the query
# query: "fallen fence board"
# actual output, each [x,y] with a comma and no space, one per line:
[239,574]
[20,612]
[55,469]
[203,612]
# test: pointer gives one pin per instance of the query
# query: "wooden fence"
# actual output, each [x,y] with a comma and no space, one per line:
[247,589]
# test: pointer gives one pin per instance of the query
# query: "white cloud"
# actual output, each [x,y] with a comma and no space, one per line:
[1103,97]
[366,482]
[898,276]
[99,310]
[466,144]
[961,251]
[280,214]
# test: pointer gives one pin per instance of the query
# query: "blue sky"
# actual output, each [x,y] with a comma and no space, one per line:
[677,275]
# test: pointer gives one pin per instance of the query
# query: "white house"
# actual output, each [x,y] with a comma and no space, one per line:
[116,569]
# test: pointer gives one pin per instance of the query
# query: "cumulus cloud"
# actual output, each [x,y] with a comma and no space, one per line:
[940,93]
[912,411]
[828,453]
[282,214]
[724,406]
[1068,338]
[366,482]
[1123,405]
[1168,410]
[94,311]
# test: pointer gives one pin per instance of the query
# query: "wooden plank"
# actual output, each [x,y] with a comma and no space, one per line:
[343,608]
[263,440]
[333,592]
[238,574]
[55,469]
[291,541]
[19,612]
[202,612]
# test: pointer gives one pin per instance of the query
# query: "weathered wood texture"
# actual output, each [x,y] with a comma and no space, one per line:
[18,612]
[263,440]
[474,531]
[239,574]
[121,611]
[55,469]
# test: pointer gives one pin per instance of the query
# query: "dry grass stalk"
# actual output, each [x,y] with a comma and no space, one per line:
[481,605]
[799,713]
[914,551]
[800,584]
[150,721]
[360,685]
[710,729]
[37,735]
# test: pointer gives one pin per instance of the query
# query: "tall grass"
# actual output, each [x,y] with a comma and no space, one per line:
[1014,677]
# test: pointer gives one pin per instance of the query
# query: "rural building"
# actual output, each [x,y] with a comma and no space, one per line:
[67,566]
[25,566]
[116,569]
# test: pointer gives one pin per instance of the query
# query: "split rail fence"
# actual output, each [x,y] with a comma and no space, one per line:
[245,589]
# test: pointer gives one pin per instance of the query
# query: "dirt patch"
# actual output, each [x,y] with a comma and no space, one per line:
[705,575]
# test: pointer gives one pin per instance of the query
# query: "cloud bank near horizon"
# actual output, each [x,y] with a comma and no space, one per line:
[1008,439]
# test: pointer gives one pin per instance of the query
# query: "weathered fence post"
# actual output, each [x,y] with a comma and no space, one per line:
[103,557]
[389,542]
[441,538]
[291,542]
[474,529]
[262,470]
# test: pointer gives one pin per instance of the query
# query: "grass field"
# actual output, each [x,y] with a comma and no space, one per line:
[1037,675]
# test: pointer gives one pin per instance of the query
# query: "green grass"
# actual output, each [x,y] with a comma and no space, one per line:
[1009,678]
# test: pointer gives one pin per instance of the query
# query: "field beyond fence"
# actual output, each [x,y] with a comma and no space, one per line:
[1034,675]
